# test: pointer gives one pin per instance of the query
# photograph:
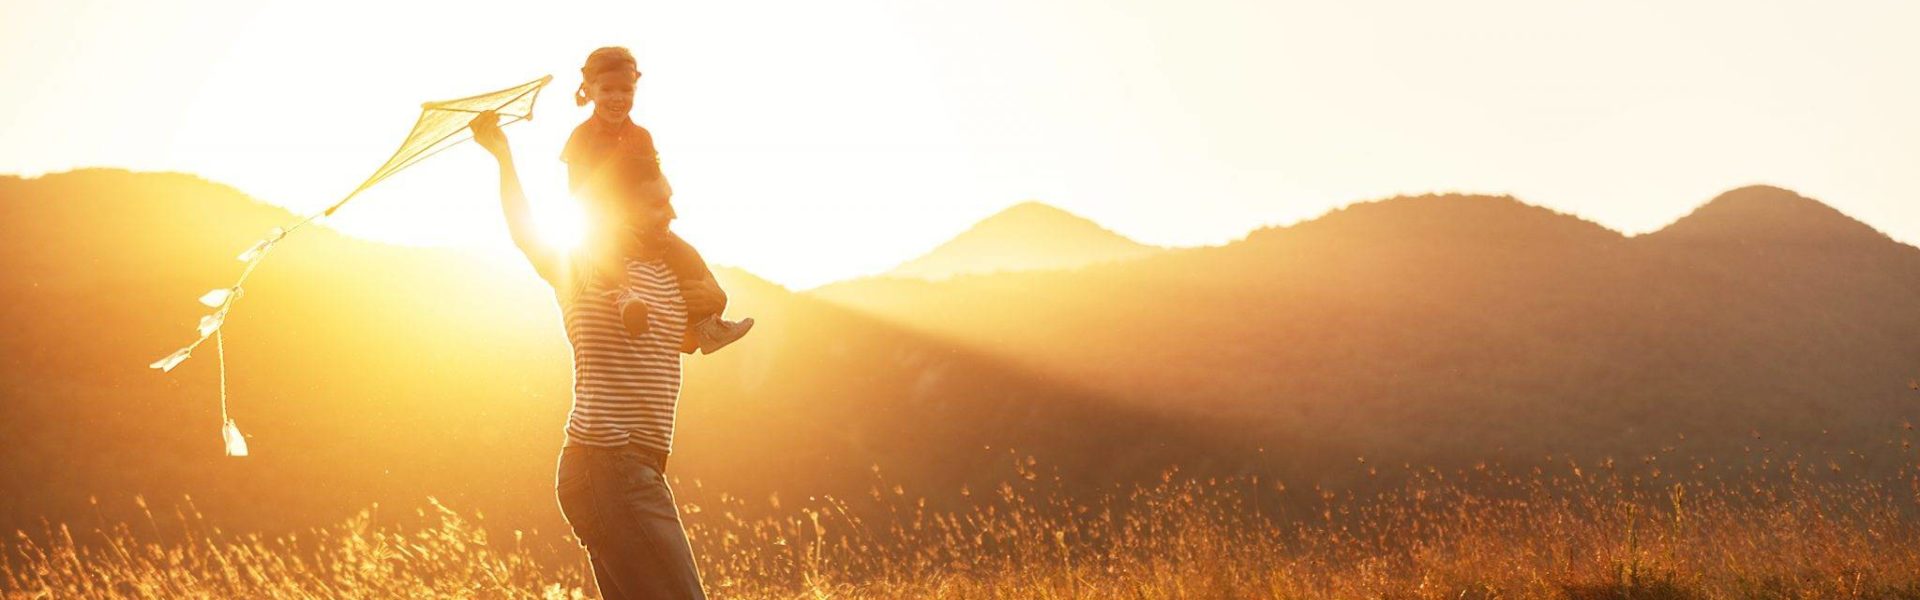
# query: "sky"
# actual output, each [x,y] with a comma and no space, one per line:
[814,141]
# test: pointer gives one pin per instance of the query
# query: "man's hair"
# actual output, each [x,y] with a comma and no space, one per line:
[617,178]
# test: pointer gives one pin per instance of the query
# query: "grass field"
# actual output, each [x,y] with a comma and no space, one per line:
[1556,530]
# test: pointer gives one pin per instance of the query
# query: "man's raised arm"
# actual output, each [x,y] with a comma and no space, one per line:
[513,199]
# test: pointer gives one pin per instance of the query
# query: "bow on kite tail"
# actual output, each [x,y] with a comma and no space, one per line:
[441,125]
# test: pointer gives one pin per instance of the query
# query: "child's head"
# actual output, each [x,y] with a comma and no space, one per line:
[607,81]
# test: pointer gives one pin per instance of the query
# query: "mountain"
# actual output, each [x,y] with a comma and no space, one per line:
[1030,236]
[365,372]
[1449,328]
[1438,330]
[1768,216]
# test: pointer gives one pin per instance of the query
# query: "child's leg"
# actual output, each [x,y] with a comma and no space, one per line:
[706,331]
[688,266]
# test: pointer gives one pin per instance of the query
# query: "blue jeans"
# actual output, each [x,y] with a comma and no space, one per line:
[619,506]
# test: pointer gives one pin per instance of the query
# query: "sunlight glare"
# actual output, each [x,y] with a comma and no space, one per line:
[562,225]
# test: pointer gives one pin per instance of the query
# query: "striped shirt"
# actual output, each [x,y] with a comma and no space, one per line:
[625,386]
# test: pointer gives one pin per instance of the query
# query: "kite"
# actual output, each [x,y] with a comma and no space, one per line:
[441,125]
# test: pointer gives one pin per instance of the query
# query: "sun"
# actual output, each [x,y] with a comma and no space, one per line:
[561,224]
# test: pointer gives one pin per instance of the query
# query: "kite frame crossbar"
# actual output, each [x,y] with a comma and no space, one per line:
[377,176]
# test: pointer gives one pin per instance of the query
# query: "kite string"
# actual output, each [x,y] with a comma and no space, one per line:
[236,288]
[219,334]
[220,353]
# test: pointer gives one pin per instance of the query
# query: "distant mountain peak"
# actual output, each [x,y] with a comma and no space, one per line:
[1766,202]
[1027,236]
[1037,217]
[1767,214]
[1447,218]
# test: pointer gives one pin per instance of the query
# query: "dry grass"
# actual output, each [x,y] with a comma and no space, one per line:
[1558,530]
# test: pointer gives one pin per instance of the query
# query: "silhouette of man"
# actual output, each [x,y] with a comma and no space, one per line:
[625,325]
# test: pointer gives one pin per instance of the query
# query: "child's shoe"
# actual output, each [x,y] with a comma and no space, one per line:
[633,314]
[715,333]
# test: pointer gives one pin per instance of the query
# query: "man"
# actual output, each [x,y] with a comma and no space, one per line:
[625,325]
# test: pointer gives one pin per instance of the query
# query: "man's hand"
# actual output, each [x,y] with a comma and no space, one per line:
[486,132]
[703,296]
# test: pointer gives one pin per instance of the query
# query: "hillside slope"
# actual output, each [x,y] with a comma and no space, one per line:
[367,372]
[1455,327]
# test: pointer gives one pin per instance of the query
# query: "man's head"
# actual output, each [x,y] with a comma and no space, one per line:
[627,199]
[608,81]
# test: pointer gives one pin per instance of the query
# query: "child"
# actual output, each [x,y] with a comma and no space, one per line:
[608,81]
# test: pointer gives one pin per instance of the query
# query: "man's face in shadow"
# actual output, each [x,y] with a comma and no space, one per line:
[630,199]
[648,219]
[636,223]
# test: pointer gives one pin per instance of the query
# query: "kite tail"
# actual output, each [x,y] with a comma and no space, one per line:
[229,431]
[410,152]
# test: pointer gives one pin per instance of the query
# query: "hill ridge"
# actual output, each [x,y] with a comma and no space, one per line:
[1029,235]
[1449,214]
[1768,214]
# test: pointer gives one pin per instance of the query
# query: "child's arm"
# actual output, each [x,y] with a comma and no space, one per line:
[513,200]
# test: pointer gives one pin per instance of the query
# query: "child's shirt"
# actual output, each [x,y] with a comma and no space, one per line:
[595,140]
